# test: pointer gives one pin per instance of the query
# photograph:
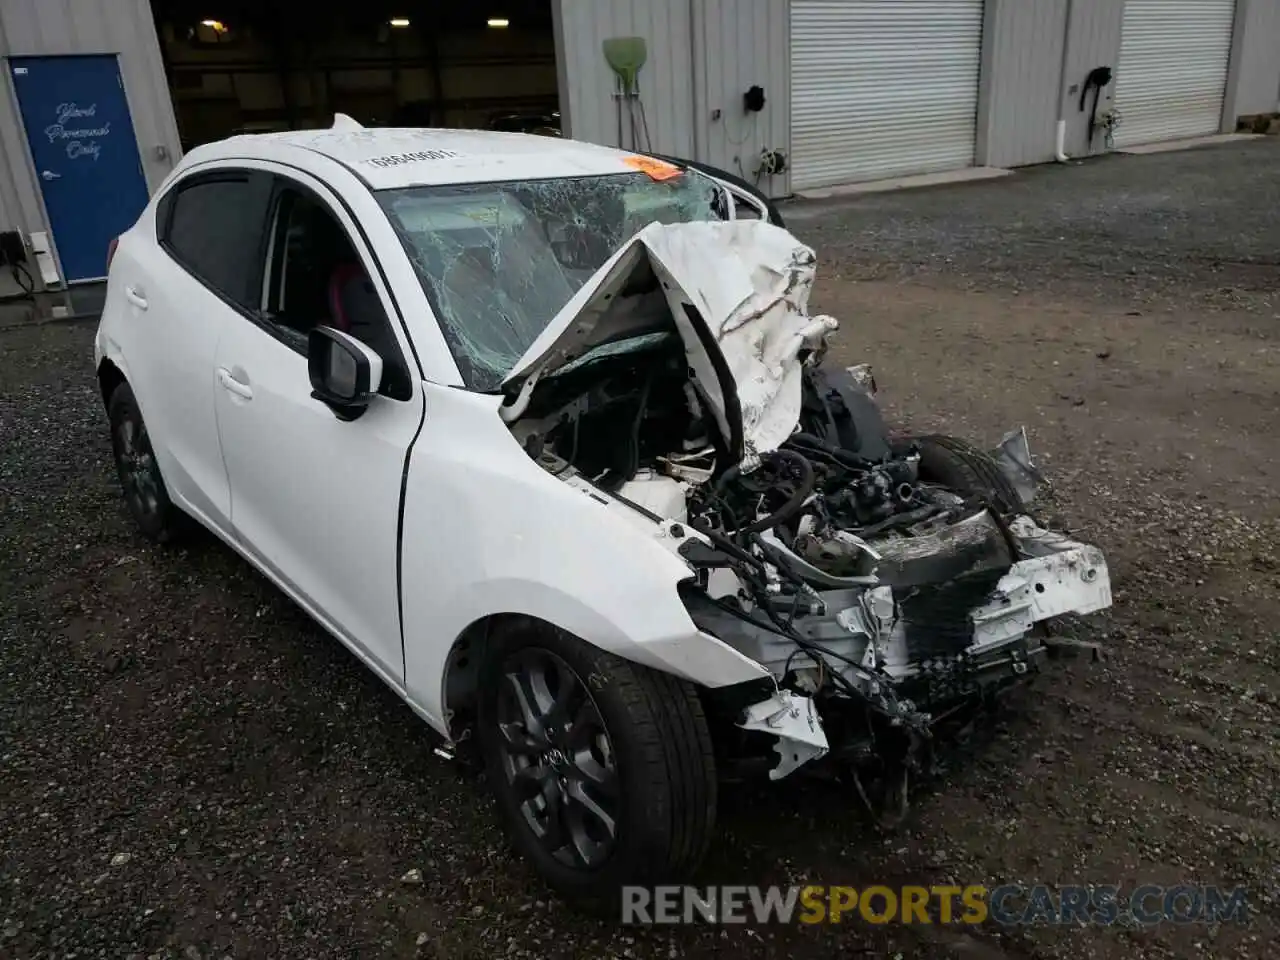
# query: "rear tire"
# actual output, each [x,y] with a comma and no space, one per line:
[632,741]
[144,490]
[964,469]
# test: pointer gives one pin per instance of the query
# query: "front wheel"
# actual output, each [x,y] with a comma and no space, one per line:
[603,769]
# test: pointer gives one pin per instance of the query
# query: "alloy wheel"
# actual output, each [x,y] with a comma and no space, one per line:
[558,758]
[136,463]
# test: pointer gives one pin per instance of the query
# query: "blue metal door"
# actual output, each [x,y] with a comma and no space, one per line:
[85,153]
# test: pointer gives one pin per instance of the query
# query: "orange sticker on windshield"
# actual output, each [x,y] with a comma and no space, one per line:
[656,169]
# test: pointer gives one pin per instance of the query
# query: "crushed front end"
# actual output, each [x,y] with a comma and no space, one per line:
[889,584]
[887,625]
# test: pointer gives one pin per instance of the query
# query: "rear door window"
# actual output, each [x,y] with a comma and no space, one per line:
[213,225]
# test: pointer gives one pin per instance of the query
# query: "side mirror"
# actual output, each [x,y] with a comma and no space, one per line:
[345,373]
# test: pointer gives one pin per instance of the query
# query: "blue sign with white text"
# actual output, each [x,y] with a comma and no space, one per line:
[85,154]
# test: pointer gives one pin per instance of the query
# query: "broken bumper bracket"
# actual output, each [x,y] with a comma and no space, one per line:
[794,721]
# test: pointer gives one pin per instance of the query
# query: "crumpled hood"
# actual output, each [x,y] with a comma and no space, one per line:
[739,294]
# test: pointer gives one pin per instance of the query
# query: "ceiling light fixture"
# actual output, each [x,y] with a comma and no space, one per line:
[499,22]
[399,21]
[217,26]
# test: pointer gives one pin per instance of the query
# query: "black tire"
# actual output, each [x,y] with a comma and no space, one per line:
[663,797]
[144,490]
[964,469]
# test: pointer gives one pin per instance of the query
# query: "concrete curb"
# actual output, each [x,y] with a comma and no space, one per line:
[48,321]
[904,183]
[1172,146]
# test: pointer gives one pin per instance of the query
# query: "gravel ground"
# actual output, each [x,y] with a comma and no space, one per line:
[190,768]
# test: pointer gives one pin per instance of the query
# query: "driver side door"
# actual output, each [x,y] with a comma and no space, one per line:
[316,499]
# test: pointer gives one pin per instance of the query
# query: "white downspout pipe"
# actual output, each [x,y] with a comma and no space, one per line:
[1060,137]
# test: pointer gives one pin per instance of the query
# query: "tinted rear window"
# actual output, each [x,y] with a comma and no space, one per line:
[215,230]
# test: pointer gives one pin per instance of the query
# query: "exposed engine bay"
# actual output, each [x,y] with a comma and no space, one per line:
[888,583]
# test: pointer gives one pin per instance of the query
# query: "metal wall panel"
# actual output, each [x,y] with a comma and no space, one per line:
[1022,55]
[883,89]
[1257,61]
[587,83]
[1172,75]
[738,44]
[53,27]
[1093,40]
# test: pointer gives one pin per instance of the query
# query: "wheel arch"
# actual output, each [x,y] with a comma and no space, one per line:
[460,680]
[701,659]
[110,376]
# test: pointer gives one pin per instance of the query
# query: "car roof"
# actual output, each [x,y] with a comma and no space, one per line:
[391,157]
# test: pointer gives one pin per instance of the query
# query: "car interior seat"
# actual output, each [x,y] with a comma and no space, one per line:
[356,309]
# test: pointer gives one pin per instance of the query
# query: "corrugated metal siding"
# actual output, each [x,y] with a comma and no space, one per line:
[882,89]
[19,205]
[588,84]
[1258,67]
[738,44]
[13,164]
[1093,40]
[54,27]
[1173,68]
[1023,57]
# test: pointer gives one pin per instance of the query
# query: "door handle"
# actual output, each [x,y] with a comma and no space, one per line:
[134,296]
[232,385]
[50,175]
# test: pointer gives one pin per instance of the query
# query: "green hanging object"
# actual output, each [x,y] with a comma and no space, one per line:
[625,56]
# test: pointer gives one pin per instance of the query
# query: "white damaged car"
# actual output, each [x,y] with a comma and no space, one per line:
[541,431]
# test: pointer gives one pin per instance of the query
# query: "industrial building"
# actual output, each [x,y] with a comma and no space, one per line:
[102,97]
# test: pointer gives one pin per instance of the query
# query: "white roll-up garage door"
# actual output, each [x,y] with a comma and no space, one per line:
[882,89]
[1172,72]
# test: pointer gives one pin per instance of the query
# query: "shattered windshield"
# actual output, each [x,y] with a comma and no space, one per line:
[499,260]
